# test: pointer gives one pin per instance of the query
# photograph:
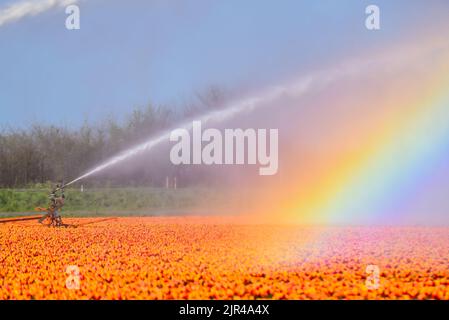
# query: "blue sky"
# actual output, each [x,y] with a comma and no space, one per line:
[130,53]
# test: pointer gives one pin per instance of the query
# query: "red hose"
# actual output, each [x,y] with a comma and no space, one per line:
[25,218]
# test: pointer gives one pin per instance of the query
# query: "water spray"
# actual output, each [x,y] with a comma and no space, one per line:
[295,89]
[245,105]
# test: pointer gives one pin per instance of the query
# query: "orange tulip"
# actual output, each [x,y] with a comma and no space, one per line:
[219,258]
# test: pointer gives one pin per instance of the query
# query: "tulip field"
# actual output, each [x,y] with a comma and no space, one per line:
[219,258]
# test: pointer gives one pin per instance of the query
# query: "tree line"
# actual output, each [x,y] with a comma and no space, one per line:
[50,153]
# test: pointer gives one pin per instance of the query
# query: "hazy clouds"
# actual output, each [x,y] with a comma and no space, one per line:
[22,9]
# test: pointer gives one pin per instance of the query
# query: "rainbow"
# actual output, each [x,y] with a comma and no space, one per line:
[378,182]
